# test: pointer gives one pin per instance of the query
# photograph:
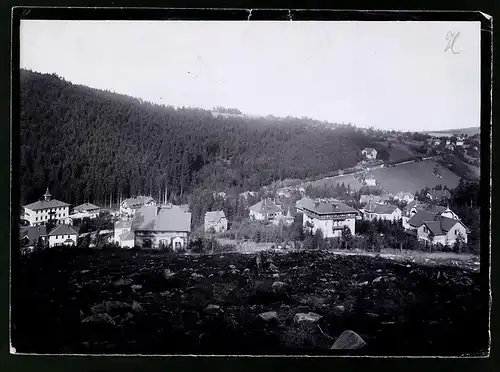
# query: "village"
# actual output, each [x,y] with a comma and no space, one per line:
[145,223]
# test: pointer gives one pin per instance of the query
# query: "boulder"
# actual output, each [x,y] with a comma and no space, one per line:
[122,282]
[349,340]
[269,315]
[167,273]
[232,267]
[339,309]
[137,307]
[279,287]
[99,318]
[376,280]
[273,267]
[309,317]
[136,287]
[212,308]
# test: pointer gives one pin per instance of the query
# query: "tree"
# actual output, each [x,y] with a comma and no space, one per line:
[346,237]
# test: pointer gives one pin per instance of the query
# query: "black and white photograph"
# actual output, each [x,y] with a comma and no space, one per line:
[250,188]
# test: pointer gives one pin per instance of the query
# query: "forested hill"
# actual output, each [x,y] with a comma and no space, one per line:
[88,144]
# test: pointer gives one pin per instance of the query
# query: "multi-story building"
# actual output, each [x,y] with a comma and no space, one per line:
[215,220]
[129,206]
[163,226]
[329,216]
[266,211]
[48,209]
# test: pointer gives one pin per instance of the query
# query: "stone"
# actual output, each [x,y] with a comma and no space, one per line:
[279,287]
[372,315]
[309,317]
[269,315]
[99,318]
[84,271]
[137,307]
[232,267]
[362,284]
[349,340]
[246,270]
[167,273]
[273,267]
[136,287]
[376,280]
[276,275]
[379,270]
[122,282]
[212,307]
[323,279]
[339,308]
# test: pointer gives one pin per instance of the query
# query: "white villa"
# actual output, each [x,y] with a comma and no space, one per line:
[369,153]
[331,217]
[161,226]
[43,211]
[63,235]
[129,206]
[387,212]
[265,210]
[215,220]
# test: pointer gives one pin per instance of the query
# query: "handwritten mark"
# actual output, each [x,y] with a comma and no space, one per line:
[452,38]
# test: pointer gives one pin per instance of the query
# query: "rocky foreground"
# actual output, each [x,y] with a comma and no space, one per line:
[151,303]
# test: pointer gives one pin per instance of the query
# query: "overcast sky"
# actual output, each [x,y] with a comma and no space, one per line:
[389,75]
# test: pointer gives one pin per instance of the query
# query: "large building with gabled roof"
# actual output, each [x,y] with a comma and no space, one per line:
[159,227]
[63,235]
[215,220]
[379,211]
[266,211]
[46,210]
[331,216]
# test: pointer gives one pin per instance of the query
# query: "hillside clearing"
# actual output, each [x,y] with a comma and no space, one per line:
[414,176]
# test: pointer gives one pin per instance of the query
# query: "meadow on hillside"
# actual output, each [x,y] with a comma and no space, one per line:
[413,177]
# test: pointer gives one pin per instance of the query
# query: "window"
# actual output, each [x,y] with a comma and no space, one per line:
[36,219]
[456,232]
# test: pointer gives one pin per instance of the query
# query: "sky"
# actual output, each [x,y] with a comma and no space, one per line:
[389,75]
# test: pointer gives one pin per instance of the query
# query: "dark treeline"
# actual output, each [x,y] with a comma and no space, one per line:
[88,144]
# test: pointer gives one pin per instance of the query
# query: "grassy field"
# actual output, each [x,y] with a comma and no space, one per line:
[119,302]
[413,177]
[347,179]
[398,151]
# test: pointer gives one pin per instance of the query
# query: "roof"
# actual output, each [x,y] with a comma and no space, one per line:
[165,218]
[214,217]
[380,208]
[33,232]
[81,215]
[64,230]
[369,149]
[323,207]
[420,217]
[435,227]
[137,201]
[86,207]
[129,235]
[266,206]
[42,204]
[122,224]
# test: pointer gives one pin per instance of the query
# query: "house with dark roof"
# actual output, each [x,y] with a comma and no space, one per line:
[163,226]
[48,209]
[63,235]
[379,211]
[216,221]
[370,153]
[265,210]
[433,227]
[31,236]
[129,206]
[329,216]
[405,196]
